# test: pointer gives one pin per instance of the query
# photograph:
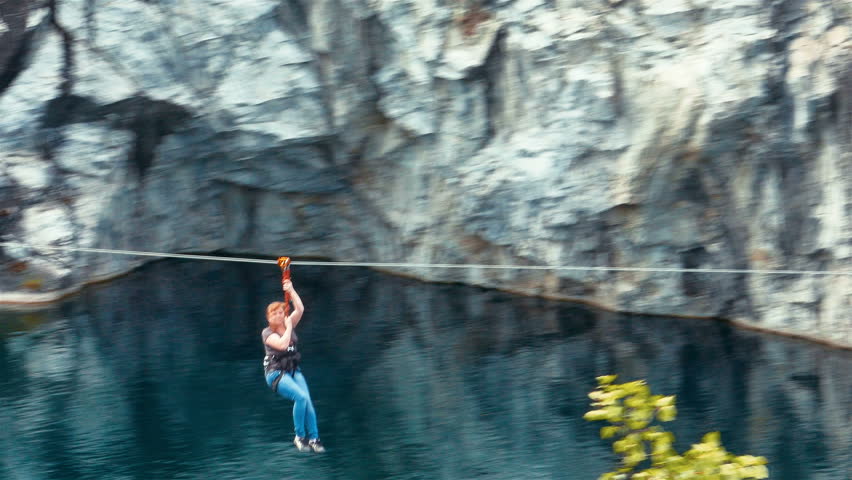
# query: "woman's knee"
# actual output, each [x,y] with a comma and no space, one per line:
[293,392]
[302,397]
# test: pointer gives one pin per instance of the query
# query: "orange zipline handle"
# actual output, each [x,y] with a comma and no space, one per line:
[284,263]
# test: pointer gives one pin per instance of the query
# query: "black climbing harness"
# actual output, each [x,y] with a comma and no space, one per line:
[286,362]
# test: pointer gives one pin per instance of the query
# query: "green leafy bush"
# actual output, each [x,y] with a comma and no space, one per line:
[630,408]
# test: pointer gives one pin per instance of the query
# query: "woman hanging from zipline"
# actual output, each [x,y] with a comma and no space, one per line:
[281,363]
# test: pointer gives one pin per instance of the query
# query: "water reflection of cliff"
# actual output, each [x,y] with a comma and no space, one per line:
[158,375]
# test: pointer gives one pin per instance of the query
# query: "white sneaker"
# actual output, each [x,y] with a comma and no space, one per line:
[316,445]
[301,444]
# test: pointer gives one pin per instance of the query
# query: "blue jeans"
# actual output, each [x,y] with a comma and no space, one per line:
[294,387]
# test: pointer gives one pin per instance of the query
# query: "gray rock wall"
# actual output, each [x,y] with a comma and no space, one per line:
[631,134]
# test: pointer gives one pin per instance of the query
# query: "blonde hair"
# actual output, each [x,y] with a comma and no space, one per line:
[272,307]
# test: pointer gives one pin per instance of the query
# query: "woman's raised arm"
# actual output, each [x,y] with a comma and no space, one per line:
[298,306]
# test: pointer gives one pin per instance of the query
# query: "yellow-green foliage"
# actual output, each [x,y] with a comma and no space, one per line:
[630,409]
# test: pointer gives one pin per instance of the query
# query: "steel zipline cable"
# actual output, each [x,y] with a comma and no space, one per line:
[390,265]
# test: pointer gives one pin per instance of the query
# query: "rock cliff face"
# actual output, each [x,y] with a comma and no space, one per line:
[627,133]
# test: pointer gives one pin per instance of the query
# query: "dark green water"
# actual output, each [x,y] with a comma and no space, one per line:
[158,375]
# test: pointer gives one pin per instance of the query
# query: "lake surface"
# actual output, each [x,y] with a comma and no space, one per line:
[158,375]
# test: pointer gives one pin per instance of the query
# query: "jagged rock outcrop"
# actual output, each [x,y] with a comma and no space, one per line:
[631,134]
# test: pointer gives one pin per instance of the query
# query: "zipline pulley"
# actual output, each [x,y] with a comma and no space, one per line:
[284,263]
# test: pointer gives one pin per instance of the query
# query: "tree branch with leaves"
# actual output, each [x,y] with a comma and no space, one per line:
[631,410]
